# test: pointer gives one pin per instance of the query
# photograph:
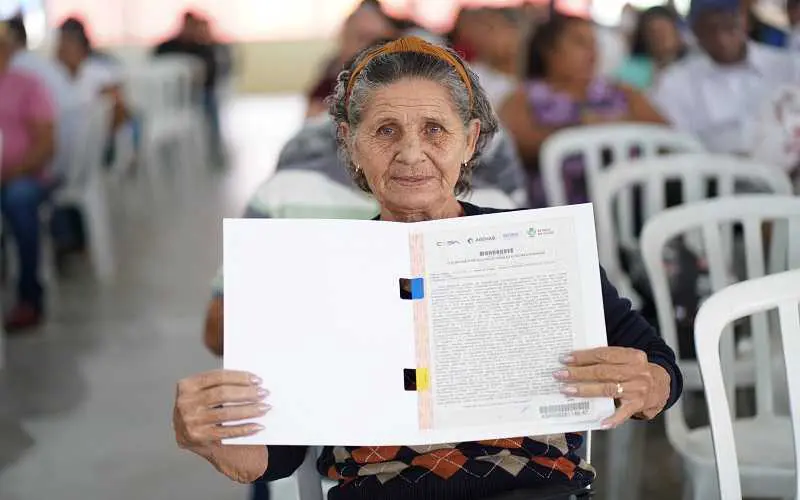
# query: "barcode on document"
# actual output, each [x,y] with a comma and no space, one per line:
[565,409]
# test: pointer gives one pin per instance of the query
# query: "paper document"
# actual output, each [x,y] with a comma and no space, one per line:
[377,333]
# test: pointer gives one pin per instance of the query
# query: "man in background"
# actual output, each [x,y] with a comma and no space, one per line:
[189,41]
[716,93]
[27,127]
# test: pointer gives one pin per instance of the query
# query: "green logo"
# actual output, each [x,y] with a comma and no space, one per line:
[531,232]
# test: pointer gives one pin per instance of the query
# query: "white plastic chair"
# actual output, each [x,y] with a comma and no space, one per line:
[590,142]
[615,229]
[85,185]
[731,437]
[161,92]
[714,218]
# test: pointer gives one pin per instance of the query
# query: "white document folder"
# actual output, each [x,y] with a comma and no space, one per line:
[380,333]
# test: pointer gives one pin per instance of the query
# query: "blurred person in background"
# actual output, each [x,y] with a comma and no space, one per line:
[194,39]
[27,126]
[466,33]
[629,19]
[497,55]
[716,93]
[366,25]
[657,43]
[222,52]
[562,89]
[55,79]
[90,77]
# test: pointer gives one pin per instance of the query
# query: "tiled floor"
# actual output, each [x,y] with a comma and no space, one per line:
[86,401]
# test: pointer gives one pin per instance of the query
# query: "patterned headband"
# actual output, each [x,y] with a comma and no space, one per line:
[410,44]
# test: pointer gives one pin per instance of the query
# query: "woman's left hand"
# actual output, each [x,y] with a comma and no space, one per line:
[640,388]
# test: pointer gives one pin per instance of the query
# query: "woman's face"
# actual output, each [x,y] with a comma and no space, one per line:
[411,144]
[574,55]
[662,38]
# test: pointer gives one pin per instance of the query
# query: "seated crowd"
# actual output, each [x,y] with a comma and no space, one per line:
[709,75]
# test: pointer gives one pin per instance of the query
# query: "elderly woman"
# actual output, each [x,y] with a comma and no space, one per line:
[412,123]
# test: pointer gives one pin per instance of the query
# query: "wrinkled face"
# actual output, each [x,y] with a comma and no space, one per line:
[722,35]
[411,144]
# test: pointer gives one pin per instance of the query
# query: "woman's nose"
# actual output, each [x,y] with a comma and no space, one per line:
[411,150]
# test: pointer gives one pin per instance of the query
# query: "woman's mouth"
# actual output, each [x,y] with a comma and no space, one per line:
[411,180]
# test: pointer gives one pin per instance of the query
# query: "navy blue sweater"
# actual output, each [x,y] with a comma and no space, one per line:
[624,326]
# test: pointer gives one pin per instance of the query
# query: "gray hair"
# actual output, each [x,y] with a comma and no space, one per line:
[388,68]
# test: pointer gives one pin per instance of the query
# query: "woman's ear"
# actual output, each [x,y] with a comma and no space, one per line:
[473,133]
[344,132]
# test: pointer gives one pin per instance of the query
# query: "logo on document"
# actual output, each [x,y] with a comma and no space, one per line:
[481,239]
[534,232]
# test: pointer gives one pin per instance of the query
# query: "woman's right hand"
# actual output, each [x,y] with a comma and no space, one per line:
[203,404]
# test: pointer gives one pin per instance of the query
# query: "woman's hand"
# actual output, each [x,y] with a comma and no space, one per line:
[200,410]
[640,388]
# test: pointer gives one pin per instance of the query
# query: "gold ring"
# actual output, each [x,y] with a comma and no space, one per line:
[619,389]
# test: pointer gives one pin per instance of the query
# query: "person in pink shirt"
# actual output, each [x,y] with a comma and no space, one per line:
[27,118]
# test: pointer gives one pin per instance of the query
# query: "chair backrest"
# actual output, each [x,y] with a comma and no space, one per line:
[781,292]
[714,220]
[622,140]
[695,172]
[90,141]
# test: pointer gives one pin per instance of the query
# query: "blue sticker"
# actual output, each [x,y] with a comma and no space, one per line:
[417,288]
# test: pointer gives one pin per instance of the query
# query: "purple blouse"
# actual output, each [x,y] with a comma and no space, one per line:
[556,109]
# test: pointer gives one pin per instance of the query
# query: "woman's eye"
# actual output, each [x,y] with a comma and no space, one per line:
[434,129]
[386,130]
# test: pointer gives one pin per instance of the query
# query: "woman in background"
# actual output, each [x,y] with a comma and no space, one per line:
[657,43]
[367,25]
[562,89]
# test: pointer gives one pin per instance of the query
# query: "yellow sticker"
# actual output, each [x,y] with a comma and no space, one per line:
[423,379]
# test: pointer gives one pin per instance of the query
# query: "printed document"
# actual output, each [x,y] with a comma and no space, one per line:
[379,333]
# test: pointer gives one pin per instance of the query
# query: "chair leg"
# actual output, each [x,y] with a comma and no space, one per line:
[99,228]
[625,457]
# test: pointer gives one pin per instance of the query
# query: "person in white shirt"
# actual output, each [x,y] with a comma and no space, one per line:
[716,93]
[90,77]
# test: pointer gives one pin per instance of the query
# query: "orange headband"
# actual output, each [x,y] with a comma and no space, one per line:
[410,44]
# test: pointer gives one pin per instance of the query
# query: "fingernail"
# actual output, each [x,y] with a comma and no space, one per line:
[264,408]
[256,380]
[569,389]
[262,393]
[567,359]
[561,374]
[259,427]
[606,426]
